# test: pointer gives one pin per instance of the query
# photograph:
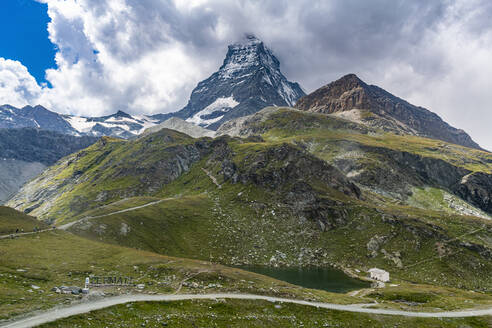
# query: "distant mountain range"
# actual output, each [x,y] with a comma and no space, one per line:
[249,80]
[253,172]
[348,176]
[119,124]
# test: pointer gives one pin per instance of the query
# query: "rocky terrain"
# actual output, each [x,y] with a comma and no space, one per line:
[33,117]
[120,124]
[352,177]
[248,80]
[387,164]
[378,108]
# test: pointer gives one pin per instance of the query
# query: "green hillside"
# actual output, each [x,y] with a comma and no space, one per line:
[31,266]
[294,188]
[11,220]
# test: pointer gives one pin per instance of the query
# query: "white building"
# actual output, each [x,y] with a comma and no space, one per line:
[378,274]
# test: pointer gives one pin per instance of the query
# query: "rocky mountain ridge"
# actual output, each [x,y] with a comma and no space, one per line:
[36,117]
[248,80]
[376,107]
[393,171]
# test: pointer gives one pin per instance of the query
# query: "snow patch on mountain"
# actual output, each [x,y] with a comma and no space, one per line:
[288,93]
[118,125]
[81,124]
[243,56]
[213,112]
[248,80]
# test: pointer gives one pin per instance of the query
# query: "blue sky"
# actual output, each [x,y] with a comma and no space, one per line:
[24,36]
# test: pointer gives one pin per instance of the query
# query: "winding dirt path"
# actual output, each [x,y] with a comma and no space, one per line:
[68,225]
[15,235]
[60,313]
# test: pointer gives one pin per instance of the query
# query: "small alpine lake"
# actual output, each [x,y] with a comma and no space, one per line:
[329,279]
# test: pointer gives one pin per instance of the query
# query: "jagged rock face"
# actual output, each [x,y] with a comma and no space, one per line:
[290,174]
[476,188]
[392,172]
[342,95]
[397,172]
[249,80]
[297,167]
[349,93]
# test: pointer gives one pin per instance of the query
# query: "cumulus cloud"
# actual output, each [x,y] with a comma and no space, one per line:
[145,56]
[17,86]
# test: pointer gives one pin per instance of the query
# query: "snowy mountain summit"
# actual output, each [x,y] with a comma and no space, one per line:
[248,80]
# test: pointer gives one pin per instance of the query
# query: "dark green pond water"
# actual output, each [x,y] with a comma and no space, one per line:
[328,279]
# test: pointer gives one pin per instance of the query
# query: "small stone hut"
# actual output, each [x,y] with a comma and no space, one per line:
[379,274]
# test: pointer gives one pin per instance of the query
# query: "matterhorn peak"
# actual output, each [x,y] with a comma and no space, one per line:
[249,39]
[248,52]
[248,80]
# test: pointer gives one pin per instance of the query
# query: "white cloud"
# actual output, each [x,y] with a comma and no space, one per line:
[145,56]
[17,86]
[118,55]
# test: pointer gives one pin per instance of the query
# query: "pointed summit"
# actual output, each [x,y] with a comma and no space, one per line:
[249,38]
[248,80]
[247,53]
[121,113]
[350,79]
[344,94]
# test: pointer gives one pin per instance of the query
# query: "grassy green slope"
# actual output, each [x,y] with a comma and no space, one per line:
[271,201]
[177,226]
[107,171]
[11,220]
[322,133]
[243,224]
[58,258]
[391,165]
[114,169]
